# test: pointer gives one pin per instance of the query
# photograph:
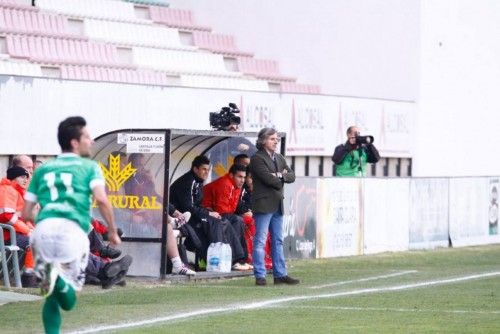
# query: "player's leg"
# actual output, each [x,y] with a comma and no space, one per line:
[61,249]
[51,315]
[72,271]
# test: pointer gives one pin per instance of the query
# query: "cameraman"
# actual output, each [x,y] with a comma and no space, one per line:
[351,158]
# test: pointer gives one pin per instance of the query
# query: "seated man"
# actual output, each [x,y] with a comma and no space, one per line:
[186,195]
[12,190]
[100,269]
[97,235]
[222,196]
[106,273]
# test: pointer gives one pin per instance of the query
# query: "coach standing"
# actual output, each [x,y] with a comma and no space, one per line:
[269,172]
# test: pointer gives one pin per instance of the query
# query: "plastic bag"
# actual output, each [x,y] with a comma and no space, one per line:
[219,257]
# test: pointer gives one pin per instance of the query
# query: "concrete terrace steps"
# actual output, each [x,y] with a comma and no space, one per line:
[136,41]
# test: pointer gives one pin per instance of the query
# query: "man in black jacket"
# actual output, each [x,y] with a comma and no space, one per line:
[351,158]
[186,195]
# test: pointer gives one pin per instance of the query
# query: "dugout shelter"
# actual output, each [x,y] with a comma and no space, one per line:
[140,164]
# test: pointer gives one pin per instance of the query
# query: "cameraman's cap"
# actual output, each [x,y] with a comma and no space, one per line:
[16,171]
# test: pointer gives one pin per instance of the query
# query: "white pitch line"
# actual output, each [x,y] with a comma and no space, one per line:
[387,309]
[271,302]
[373,278]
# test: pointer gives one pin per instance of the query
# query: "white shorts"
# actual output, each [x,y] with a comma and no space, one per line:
[63,243]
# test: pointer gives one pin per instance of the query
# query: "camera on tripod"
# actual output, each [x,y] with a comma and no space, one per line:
[225,118]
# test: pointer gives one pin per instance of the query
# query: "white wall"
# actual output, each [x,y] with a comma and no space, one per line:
[365,48]
[458,109]
[443,54]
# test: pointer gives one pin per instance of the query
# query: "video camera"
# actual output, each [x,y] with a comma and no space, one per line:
[364,140]
[225,117]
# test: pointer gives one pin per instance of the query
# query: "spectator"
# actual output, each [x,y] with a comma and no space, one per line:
[100,270]
[351,158]
[12,190]
[106,273]
[269,173]
[222,196]
[186,195]
[23,161]
[96,241]
[64,188]
[242,159]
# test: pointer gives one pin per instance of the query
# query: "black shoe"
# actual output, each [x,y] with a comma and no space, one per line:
[286,280]
[114,272]
[92,279]
[122,282]
[29,280]
[110,252]
[115,280]
[260,281]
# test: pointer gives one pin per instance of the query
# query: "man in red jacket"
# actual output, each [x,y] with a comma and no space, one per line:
[12,189]
[222,196]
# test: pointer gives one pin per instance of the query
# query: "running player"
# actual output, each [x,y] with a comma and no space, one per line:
[64,187]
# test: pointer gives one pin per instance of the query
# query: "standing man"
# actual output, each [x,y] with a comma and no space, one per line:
[64,187]
[351,158]
[269,172]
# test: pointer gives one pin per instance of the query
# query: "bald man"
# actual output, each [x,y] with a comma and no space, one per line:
[23,161]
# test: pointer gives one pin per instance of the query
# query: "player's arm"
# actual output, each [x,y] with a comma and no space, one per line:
[106,211]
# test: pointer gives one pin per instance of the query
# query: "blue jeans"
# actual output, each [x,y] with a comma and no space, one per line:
[274,223]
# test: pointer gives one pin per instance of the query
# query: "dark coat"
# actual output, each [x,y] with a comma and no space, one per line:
[186,195]
[267,195]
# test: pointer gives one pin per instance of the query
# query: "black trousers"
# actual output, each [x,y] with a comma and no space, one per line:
[238,236]
[211,230]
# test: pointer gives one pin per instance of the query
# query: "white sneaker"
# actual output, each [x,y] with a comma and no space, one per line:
[183,270]
[242,267]
[187,216]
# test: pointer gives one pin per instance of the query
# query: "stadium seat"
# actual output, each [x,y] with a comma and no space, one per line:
[223,83]
[19,68]
[62,51]
[130,41]
[150,2]
[133,34]
[217,43]
[293,87]
[172,17]
[14,4]
[261,68]
[180,62]
[101,9]
[123,75]
[31,21]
